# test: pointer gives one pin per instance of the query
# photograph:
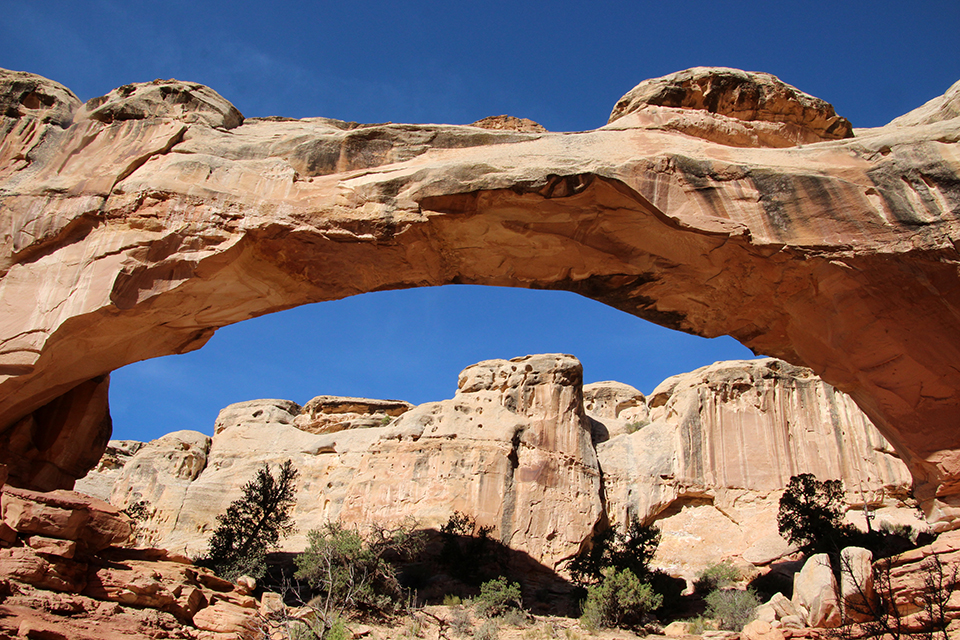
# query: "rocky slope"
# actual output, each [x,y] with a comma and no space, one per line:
[525,448]
[135,225]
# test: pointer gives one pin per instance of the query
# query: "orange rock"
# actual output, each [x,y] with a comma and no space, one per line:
[837,254]
[92,523]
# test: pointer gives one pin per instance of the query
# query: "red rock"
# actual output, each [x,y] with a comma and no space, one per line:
[48,572]
[52,546]
[92,523]
[225,617]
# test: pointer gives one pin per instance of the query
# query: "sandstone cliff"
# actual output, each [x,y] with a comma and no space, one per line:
[512,448]
[522,449]
[135,225]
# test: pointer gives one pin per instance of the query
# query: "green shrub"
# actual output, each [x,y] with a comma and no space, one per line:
[731,608]
[487,631]
[354,572]
[716,576]
[450,600]
[497,597]
[619,599]
[631,549]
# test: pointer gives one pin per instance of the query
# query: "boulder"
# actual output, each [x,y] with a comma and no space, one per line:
[815,591]
[761,630]
[93,524]
[858,597]
[44,571]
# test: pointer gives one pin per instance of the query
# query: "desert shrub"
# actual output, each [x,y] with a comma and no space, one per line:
[467,547]
[353,571]
[460,622]
[487,631]
[619,599]
[253,523]
[731,608]
[497,597]
[515,617]
[631,549]
[716,576]
[451,600]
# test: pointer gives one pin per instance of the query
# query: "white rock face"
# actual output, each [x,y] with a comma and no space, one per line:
[722,443]
[520,447]
[512,448]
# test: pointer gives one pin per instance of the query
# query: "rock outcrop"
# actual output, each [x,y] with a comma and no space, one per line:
[66,571]
[137,225]
[512,448]
[718,445]
[523,450]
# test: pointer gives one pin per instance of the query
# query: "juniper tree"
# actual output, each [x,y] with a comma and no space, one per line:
[252,524]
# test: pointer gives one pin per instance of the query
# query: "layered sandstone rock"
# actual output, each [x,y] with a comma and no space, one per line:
[513,449]
[706,457]
[136,226]
[720,445]
[65,573]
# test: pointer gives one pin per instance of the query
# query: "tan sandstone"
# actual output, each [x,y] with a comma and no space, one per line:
[133,228]
[512,448]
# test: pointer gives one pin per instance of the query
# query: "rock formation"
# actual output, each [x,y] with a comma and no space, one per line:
[512,448]
[65,573]
[522,450]
[136,225]
[719,444]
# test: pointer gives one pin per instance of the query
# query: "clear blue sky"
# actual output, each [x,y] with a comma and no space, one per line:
[563,64]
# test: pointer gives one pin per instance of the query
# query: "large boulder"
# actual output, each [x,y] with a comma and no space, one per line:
[815,593]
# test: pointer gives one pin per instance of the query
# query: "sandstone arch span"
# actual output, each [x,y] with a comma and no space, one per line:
[715,202]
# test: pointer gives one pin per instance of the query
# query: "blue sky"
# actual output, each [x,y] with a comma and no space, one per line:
[563,64]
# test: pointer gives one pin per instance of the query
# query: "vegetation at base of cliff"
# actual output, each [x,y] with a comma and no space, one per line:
[631,549]
[253,524]
[352,571]
[619,599]
[467,547]
[716,576]
[497,597]
[731,608]
[811,517]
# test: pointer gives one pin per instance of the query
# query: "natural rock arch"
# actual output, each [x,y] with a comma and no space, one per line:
[715,202]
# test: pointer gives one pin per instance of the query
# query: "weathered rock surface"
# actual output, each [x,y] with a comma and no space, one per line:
[721,444]
[815,593]
[76,581]
[513,449]
[124,239]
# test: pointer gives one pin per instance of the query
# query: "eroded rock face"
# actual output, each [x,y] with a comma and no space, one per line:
[512,449]
[125,239]
[720,445]
[516,449]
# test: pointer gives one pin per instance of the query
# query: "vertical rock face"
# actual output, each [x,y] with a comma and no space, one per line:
[721,444]
[524,447]
[512,448]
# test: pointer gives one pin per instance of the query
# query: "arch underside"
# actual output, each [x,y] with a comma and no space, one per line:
[139,238]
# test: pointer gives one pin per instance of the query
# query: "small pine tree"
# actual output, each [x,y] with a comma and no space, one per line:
[811,514]
[252,524]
